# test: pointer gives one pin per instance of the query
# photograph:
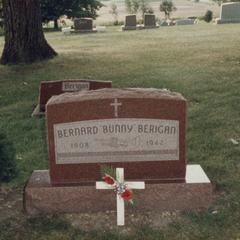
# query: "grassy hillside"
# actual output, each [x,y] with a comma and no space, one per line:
[202,62]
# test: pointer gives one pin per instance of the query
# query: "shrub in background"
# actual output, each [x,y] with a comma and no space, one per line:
[8,168]
[167,6]
[114,12]
[208,16]
[135,6]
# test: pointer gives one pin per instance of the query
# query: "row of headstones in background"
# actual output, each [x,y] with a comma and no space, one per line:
[150,22]
[140,130]
[131,22]
[53,88]
[229,13]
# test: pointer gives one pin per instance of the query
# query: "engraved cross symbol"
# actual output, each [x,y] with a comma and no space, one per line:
[116,104]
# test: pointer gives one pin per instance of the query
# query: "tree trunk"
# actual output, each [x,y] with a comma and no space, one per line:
[56,24]
[24,38]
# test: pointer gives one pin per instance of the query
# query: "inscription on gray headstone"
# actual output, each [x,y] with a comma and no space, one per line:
[83,24]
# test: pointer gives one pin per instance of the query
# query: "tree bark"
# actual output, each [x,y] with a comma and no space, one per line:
[24,38]
[56,24]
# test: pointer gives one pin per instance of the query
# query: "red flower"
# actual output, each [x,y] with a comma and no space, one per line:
[108,179]
[127,195]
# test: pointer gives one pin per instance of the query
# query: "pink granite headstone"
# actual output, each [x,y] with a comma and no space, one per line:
[140,130]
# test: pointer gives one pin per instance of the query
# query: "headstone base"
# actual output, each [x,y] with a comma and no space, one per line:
[140,27]
[126,28]
[85,31]
[150,27]
[41,197]
[223,21]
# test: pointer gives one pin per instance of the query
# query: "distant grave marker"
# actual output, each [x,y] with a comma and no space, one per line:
[229,13]
[84,25]
[130,23]
[150,21]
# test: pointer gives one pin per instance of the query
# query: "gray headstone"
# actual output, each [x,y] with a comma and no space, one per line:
[83,24]
[230,11]
[131,21]
[149,20]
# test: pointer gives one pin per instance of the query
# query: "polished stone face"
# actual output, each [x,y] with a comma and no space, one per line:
[131,21]
[149,20]
[141,130]
[116,140]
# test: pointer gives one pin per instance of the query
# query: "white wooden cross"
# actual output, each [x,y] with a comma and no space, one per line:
[120,200]
[116,104]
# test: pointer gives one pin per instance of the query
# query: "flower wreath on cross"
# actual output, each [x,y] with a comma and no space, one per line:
[114,179]
[122,189]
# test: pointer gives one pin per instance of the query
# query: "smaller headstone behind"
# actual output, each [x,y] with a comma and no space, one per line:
[149,21]
[230,13]
[52,88]
[185,22]
[130,23]
[82,25]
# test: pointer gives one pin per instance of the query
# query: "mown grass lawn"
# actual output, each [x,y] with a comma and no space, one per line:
[202,62]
